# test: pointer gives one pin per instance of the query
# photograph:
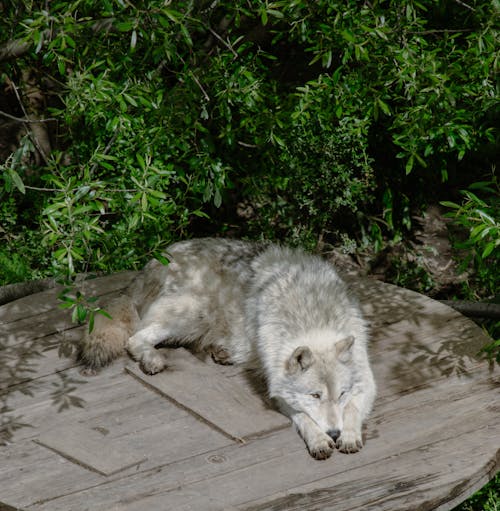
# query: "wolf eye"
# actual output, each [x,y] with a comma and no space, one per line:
[316,395]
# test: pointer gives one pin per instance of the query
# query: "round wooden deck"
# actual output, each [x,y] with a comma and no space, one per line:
[200,436]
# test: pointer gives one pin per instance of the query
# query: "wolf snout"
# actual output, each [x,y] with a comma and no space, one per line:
[333,434]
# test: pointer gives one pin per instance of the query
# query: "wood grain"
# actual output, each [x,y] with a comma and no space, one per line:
[127,441]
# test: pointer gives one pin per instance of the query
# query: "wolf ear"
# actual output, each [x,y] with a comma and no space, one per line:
[344,348]
[301,359]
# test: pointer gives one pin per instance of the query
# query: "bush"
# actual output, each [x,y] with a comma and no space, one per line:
[479,214]
[321,115]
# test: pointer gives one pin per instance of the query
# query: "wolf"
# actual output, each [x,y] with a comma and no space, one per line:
[280,311]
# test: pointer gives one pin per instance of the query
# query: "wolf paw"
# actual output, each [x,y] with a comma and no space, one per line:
[88,371]
[153,363]
[349,441]
[220,355]
[322,447]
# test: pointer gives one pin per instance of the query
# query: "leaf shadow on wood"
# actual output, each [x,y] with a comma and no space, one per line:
[23,358]
[416,340]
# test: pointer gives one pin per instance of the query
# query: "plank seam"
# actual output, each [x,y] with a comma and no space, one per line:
[83,464]
[186,408]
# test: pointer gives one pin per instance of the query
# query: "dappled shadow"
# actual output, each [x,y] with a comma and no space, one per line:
[416,340]
[37,343]
[24,364]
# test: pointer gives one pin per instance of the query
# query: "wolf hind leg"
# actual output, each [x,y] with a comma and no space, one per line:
[173,318]
[141,347]
[107,340]
[220,354]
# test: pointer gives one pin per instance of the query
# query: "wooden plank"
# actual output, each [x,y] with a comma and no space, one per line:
[271,464]
[424,479]
[121,415]
[89,448]
[46,301]
[111,401]
[391,478]
[227,405]
[31,473]
[27,361]
[435,402]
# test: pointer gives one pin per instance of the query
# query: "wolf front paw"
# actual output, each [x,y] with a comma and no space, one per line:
[153,363]
[349,441]
[322,447]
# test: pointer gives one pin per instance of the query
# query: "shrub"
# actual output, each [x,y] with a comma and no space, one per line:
[319,114]
[479,215]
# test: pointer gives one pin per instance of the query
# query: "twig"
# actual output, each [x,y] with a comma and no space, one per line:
[244,144]
[14,49]
[227,45]
[207,97]
[20,119]
[440,31]
[112,190]
[33,137]
[106,149]
[465,5]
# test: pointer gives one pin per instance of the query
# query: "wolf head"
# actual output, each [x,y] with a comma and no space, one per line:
[318,380]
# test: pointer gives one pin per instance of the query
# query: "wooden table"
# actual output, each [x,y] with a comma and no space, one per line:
[201,437]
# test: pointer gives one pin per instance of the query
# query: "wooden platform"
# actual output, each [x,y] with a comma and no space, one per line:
[201,437]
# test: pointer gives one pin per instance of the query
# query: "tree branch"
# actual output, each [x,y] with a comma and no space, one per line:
[14,49]
[465,5]
[24,119]
[475,309]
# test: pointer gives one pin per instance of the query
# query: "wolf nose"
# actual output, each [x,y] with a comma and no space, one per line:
[333,433]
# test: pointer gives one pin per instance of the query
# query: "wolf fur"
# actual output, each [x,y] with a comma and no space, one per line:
[278,310]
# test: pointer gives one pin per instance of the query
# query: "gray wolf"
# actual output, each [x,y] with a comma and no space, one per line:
[280,311]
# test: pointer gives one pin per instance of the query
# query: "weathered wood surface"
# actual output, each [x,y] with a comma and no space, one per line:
[201,437]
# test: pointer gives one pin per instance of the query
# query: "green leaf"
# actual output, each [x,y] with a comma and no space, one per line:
[81,313]
[91,321]
[124,26]
[488,249]
[384,107]
[263,17]
[61,66]
[348,36]
[104,313]
[16,179]
[130,99]
[174,16]
[217,198]
[275,13]
[449,204]
[141,161]
[409,164]
[163,260]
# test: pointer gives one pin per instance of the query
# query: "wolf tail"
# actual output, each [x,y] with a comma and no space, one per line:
[108,338]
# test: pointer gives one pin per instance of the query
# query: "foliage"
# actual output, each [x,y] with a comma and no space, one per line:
[486,499]
[479,215]
[163,113]
[481,219]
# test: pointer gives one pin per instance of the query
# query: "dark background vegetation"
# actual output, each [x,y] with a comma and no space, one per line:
[126,125]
